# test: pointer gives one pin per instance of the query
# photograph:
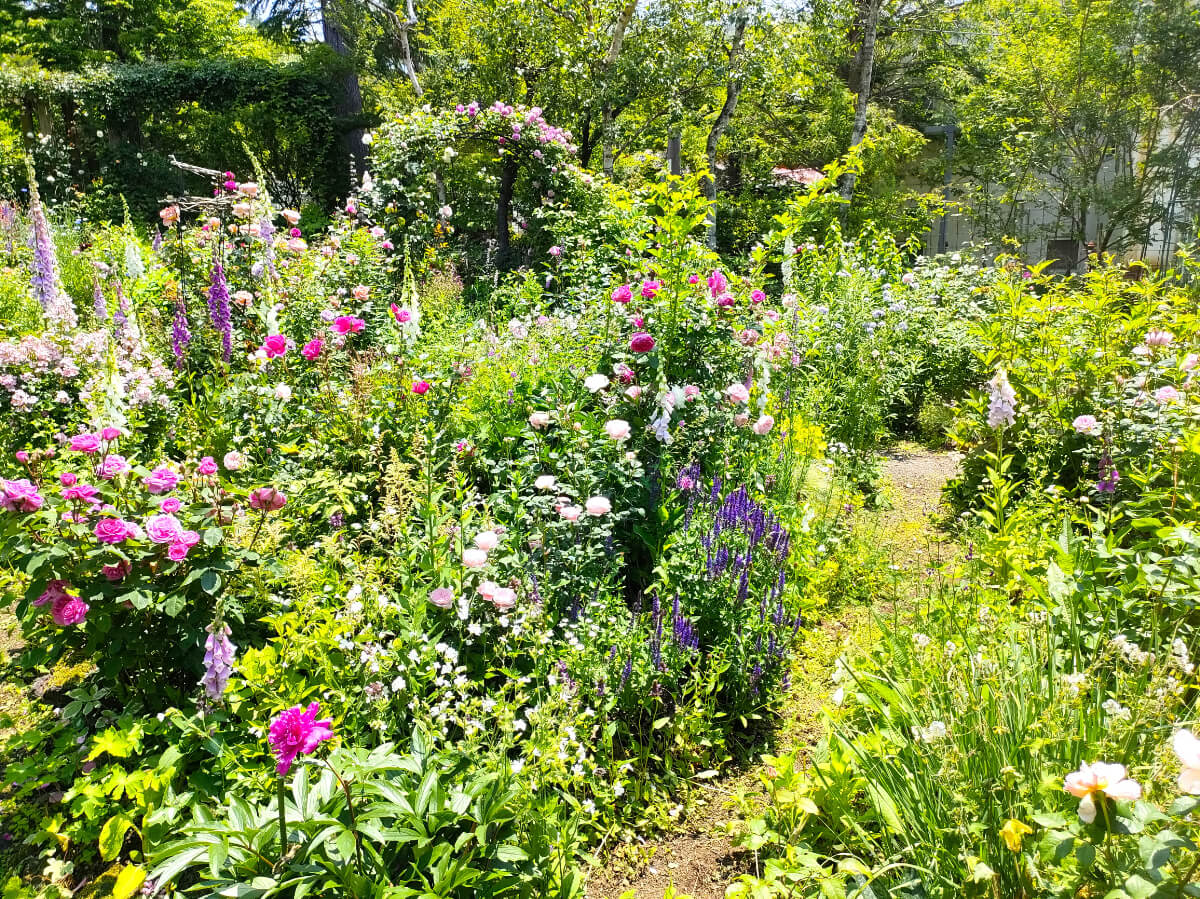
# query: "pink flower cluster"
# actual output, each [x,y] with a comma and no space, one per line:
[66,608]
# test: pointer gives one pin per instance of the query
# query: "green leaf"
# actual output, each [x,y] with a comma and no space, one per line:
[213,536]
[112,836]
[210,582]
[129,882]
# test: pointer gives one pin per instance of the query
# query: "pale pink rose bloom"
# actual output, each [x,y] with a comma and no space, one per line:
[764,425]
[634,392]
[234,460]
[1187,747]
[539,420]
[1167,394]
[617,429]
[570,513]
[1190,361]
[487,589]
[487,540]
[442,597]
[504,598]
[1087,424]
[598,505]
[1103,778]
[596,382]
[741,419]
[908,278]
[545,482]
[361,292]
[737,393]
[690,392]
[291,215]
[474,558]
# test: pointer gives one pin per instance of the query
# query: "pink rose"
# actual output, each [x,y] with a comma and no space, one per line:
[570,513]
[164,528]
[442,597]
[21,456]
[617,429]
[420,388]
[725,301]
[267,499]
[641,342]
[693,279]
[487,589]
[161,480]
[400,315]
[110,434]
[474,558]
[634,392]
[207,466]
[178,550]
[741,419]
[622,294]
[82,493]
[67,479]
[361,292]
[598,505]
[85,443]
[764,425]
[737,393]
[234,460]
[111,466]
[539,420]
[487,540]
[170,505]
[117,572]
[312,350]
[650,288]
[112,530]
[275,345]
[717,283]
[757,296]
[347,324]
[68,610]
[690,392]
[54,591]
[504,598]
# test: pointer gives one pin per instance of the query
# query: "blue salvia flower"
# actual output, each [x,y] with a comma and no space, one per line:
[180,335]
[219,310]
[627,671]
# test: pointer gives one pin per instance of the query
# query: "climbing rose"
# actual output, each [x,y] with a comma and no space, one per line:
[737,393]
[82,493]
[112,530]
[641,342]
[170,505]
[295,732]
[178,550]
[1099,778]
[267,499]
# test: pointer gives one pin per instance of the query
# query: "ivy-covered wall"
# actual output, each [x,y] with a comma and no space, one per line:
[113,129]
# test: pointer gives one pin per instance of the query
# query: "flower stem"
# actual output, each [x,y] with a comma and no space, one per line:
[282,820]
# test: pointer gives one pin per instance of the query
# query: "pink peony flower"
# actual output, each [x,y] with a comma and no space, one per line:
[1099,778]
[474,558]
[164,527]
[68,610]
[442,597]
[267,499]
[233,460]
[737,393]
[641,342]
[296,732]
[161,480]
[487,540]
[110,434]
[622,294]
[617,429]
[763,425]
[634,392]
[20,496]
[555,251]
[275,345]
[85,443]
[347,324]
[207,466]
[504,598]
[111,466]
[420,388]
[570,513]
[112,530]
[598,505]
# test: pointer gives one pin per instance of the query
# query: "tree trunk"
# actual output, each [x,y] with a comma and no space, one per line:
[866,70]
[733,89]
[348,107]
[508,181]
[610,60]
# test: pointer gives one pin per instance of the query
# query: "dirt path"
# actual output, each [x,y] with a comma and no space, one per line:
[701,860]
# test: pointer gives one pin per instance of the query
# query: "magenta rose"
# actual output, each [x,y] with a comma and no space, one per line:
[421,388]
[82,493]
[112,530]
[117,572]
[641,342]
[161,480]
[110,434]
[275,345]
[207,466]
[54,591]
[85,443]
[68,610]
[170,505]
[20,496]
[67,479]
[622,294]
[312,350]
[348,324]
[111,466]
[164,528]
[650,288]
[178,550]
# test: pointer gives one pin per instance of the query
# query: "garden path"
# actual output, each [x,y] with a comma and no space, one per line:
[700,860]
